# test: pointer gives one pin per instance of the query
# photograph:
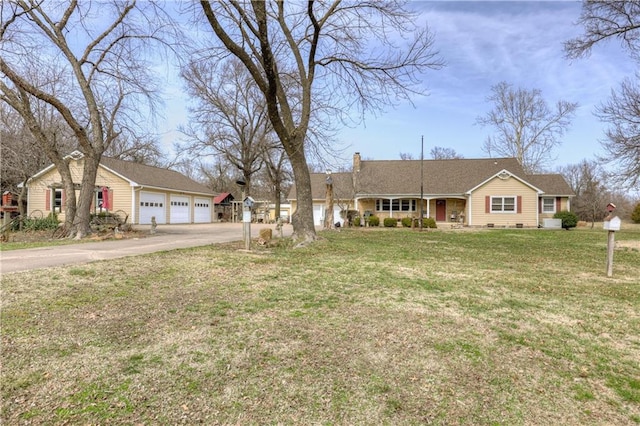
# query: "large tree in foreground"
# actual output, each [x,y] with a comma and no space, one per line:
[321,57]
[86,61]
[615,20]
[526,127]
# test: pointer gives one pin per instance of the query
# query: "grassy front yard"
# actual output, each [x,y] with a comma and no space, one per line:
[367,327]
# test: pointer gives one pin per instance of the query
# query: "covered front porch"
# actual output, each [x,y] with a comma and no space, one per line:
[444,209]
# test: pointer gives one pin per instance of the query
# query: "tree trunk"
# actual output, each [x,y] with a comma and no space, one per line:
[302,219]
[81,224]
[69,195]
[278,194]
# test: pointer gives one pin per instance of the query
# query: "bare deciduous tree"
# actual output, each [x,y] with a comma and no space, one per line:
[137,149]
[229,116]
[342,57]
[526,127]
[619,20]
[605,20]
[442,153]
[406,156]
[587,181]
[622,112]
[278,174]
[92,57]
[21,155]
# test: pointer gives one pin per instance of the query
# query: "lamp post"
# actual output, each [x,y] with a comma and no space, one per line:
[246,215]
[329,201]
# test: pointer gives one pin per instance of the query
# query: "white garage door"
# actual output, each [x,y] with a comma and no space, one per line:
[179,211]
[152,204]
[202,210]
[318,214]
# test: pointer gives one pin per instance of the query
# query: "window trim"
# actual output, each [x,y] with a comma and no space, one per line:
[553,205]
[396,205]
[55,207]
[502,204]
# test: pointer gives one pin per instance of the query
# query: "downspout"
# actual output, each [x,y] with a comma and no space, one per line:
[134,205]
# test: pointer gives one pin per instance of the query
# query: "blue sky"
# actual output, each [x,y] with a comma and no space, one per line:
[484,43]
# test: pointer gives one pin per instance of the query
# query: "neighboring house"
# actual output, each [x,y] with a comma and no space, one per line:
[138,190]
[473,192]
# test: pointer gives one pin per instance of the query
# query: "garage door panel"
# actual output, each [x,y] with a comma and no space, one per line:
[202,210]
[152,205]
[180,210]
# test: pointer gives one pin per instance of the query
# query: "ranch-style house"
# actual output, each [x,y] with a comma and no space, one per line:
[485,192]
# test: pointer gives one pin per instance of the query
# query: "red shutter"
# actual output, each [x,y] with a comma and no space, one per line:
[111,199]
[47,200]
[487,204]
[558,204]
[519,201]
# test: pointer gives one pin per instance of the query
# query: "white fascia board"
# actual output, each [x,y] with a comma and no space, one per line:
[178,191]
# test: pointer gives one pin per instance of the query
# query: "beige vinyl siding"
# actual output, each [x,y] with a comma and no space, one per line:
[121,189]
[505,188]
[36,199]
[38,189]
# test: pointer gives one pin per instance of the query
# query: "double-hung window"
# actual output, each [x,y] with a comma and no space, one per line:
[57,200]
[503,204]
[548,205]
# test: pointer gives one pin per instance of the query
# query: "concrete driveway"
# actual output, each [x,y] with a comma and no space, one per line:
[167,237]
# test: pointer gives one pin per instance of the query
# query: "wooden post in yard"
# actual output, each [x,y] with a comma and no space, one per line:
[611,224]
[611,243]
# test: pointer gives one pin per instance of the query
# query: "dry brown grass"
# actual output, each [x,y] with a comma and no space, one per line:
[499,327]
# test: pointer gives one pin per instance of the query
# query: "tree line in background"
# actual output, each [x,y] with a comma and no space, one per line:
[270,84]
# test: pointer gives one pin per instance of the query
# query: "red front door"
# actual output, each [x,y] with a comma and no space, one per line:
[441,210]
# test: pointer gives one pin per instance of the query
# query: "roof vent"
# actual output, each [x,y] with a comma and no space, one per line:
[504,175]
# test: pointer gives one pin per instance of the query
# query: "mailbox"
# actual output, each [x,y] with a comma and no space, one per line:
[612,224]
[248,202]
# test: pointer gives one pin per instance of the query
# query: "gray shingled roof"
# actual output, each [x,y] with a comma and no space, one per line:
[551,184]
[154,176]
[441,177]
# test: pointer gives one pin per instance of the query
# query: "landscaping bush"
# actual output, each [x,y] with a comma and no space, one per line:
[374,221]
[390,222]
[635,215]
[406,222]
[356,221]
[46,223]
[429,222]
[569,219]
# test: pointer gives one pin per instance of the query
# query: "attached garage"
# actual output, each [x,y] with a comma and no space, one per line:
[180,211]
[152,204]
[202,210]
